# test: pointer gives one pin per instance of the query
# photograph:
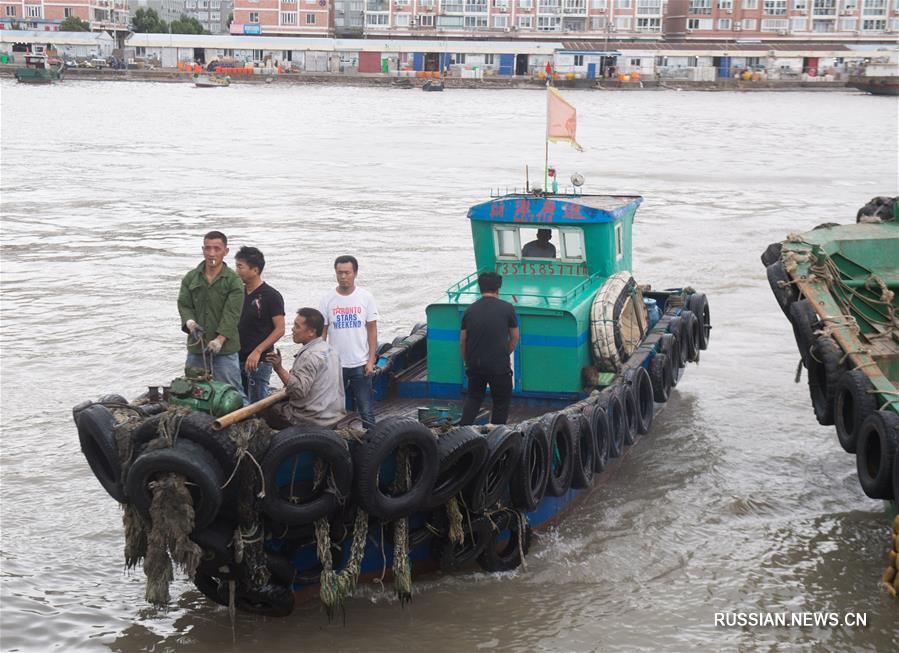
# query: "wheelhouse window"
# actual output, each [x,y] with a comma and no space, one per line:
[550,243]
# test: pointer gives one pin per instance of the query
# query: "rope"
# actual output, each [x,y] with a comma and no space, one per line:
[402,567]
[456,531]
[890,579]
[336,587]
[242,434]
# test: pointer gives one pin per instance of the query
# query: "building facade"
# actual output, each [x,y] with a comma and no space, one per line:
[46,15]
[647,20]
[167,10]
[211,14]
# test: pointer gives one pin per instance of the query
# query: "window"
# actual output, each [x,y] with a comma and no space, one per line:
[426,21]
[228,52]
[401,20]
[700,7]
[68,12]
[800,5]
[774,24]
[501,3]
[525,22]
[33,11]
[749,24]
[426,4]
[848,24]
[526,4]
[726,5]
[459,58]
[489,59]
[578,60]
[776,7]
[598,4]
[651,7]
[217,4]
[10,10]
[288,18]
[619,241]
[750,4]
[254,16]
[401,3]
[874,25]
[799,24]
[506,242]
[501,21]
[377,19]
[310,19]
[572,240]
[636,62]
[649,24]
[850,5]
[874,8]
[824,7]
[475,22]
[623,4]
[549,23]
[623,23]
[724,23]
[539,242]
[599,22]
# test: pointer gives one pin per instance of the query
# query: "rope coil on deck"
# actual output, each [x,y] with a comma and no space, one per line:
[890,579]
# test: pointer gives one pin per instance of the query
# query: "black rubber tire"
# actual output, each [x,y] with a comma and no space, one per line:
[270,600]
[772,254]
[398,341]
[786,295]
[203,474]
[896,476]
[853,404]
[678,328]
[216,542]
[319,443]
[196,427]
[419,325]
[824,371]
[805,321]
[878,440]
[601,431]
[509,556]
[382,349]
[113,400]
[492,479]
[381,442]
[462,451]
[660,377]
[211,587]
[641,385]
[691,335]
[698,304]
[528,482]
[632,419]
[584,451]
[560,453]
[96,434]
[453,557]
[611,403]
[670,346]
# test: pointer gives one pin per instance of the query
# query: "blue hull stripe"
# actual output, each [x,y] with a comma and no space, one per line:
[526,339]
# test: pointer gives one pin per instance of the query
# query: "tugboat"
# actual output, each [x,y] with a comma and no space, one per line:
[269,518]
[838,284]
[880,76]
[38,70]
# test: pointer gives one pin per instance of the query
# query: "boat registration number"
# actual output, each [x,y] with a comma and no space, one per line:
[542,269]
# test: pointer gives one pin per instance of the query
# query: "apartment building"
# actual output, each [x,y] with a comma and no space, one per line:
[167,10]
[211,14]
[641,20]
[46,15]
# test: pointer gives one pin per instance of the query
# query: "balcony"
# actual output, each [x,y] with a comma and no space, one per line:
[452,7]
[476,7]
[575,7]
[377,5]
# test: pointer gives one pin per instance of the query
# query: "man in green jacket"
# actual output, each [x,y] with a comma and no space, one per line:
[210,302]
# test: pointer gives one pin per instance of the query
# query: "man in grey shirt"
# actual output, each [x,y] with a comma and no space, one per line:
[315,394]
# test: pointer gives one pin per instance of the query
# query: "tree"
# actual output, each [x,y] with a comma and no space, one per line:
[186,25]
[148,21]
[74,24]
[230,19]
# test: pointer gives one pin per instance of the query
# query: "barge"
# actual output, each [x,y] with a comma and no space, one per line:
[260,519]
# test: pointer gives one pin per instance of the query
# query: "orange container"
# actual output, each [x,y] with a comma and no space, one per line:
[635,76]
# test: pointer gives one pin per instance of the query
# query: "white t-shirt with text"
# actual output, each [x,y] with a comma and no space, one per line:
[345,317]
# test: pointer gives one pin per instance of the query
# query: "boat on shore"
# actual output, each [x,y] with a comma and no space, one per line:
[878,77]
[38,69]
[838,286]
[211,81]
[261,519]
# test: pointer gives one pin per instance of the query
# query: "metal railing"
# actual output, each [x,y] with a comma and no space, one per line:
[467,287]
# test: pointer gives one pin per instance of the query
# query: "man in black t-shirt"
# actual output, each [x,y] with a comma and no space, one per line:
[489,334]
[261,323]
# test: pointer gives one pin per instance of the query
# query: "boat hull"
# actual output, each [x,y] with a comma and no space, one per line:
[876,85]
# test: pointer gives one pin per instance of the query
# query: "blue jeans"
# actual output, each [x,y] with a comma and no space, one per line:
[358,386]
[225,368]
[255,384]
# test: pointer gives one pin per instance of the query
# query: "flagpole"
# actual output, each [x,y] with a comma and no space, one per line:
[546,143]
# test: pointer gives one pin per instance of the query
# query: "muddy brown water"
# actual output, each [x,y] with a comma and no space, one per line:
[737,502]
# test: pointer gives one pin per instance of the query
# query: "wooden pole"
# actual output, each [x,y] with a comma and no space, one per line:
[247,411]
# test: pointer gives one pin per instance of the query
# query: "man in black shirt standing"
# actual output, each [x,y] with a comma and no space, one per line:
[261,323]
[489,334]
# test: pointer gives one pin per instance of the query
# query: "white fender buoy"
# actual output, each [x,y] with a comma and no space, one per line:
[617,321]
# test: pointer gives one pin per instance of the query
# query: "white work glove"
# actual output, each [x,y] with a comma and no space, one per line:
[214,346]
[191,325]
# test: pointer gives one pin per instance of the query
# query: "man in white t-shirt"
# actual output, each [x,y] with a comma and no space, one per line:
[351,327]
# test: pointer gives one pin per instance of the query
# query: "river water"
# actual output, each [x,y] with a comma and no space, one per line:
[737,502]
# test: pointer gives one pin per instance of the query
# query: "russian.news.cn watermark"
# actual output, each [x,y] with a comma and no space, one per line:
[791,619]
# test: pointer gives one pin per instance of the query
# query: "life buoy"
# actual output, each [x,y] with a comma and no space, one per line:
[878,441]
[600,426]
[528,482]
[96,434]
[638,379]
[506,530]
[824,370]
[584,463]
[492,479]
[292,493]
[852,405]
[561,454]
[617,321]
[462,453]
[201,471]
[375,468]
[610,400]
